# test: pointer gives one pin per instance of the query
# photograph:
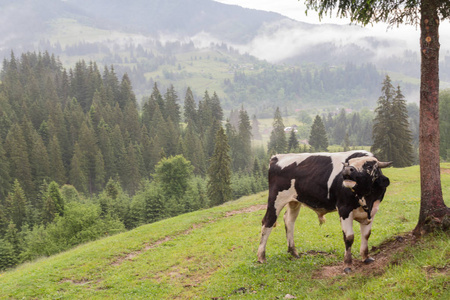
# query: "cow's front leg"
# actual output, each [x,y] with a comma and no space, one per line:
[365,234]
[290,216]
[347,230]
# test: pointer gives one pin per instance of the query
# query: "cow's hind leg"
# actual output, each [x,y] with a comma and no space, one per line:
[276,202]
[290,216]
[267,224]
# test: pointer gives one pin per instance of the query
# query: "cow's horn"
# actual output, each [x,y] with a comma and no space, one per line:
[382,164]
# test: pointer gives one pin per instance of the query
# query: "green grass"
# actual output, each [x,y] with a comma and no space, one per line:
[212,254]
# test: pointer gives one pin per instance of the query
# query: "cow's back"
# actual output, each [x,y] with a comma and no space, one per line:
[313,174]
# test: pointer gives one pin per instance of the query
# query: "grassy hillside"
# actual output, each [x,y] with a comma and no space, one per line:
[211,254]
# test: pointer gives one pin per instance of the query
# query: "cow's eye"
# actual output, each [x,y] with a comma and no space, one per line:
[369,168]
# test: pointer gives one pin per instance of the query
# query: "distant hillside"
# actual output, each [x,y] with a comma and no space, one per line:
[204,44]
[178,17]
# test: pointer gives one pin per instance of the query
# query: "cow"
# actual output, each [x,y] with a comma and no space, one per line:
[350,182]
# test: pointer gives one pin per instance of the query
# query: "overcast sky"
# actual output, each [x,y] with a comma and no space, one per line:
[295,9]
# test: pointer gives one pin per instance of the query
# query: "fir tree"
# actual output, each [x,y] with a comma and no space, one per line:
[293,145]
[4,174]
[392,139]
[190,108]
[219,173]
[243,158]
[383,140]
[277,142]
[172,106]
[255,128]
[16,205]
[404,154]
[318,137]
[444,125]
[16,148]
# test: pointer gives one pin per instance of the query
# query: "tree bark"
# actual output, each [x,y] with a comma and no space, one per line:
[432,206]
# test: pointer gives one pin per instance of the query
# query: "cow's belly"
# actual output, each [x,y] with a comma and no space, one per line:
[321,204]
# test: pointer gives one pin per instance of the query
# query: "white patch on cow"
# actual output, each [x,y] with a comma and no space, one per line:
[359,162]
[284,197]
[337,158]
[285,160]
[347,224]
[347,228]
[365,232]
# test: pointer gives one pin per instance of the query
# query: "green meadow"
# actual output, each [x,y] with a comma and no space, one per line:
[211,254]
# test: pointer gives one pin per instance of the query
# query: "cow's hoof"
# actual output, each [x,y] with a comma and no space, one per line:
[369,260]
[293,252]
[347,270]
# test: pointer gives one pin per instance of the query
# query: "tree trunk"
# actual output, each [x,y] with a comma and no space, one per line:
[432,206]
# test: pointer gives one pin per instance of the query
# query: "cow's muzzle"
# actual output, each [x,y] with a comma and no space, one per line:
[347,173]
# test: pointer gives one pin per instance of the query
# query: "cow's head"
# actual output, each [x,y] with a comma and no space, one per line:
[362,172]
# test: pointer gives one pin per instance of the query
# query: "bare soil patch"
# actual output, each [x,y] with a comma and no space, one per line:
[445,171]
[246,210]
[383,255]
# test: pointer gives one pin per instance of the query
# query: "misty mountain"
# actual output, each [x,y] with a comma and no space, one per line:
[205,45]
[178,17]
[26,21]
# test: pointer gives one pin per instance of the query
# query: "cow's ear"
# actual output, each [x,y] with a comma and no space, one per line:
[383,181]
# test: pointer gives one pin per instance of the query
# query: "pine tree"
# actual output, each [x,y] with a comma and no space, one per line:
[444,125]
[392,139]
[16,205]
[216,108]
[205,115]
[404,154]
[132,177]
[293,145]
[17,155]
[55,195]
[383,140]
[78,174]
[277,142]
[190,108]
[194,150]
[340,128]
[172,106]
[243,158]
[39,161]
[255,128]
[4,174]
[219,173]
[318,137]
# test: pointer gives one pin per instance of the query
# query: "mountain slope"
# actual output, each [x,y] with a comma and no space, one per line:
[211,254]
[179,17]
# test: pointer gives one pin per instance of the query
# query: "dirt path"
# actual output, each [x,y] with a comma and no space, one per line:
[383,255]
[129,256]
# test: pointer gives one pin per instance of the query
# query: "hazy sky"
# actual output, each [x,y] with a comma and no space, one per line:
[295,9]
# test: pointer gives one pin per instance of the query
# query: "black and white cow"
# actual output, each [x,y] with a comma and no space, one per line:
[349,182]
